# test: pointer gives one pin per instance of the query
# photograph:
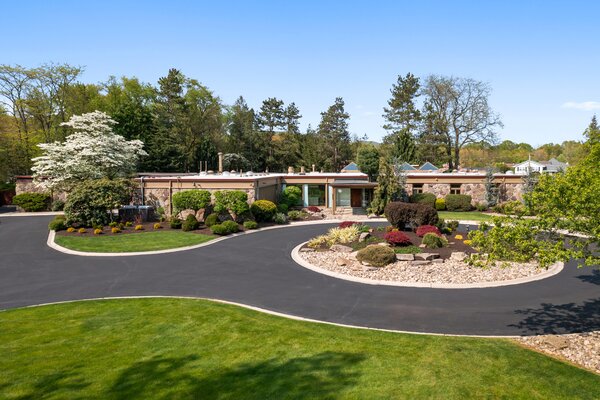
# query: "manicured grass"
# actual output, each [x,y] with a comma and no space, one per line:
[145,241]
[407,249]
[470,216]
[187,349]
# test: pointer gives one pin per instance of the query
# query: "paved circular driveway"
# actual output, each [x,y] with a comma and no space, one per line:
[257,270]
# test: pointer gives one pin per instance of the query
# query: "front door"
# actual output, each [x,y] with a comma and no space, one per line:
[356,197]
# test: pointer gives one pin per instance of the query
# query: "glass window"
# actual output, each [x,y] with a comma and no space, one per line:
[316,195]
[342,197]
[455,188]
[417,188]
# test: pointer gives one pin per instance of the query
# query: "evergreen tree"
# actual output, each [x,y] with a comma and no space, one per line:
[244,136]
[287,145]
[333,130]
[592,133]
[389,187]
[402,118]
[367,159]
[491,190]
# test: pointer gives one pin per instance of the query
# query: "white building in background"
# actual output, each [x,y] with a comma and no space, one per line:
[543,167]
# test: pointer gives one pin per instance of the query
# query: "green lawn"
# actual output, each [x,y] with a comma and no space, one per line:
[465,216]
[145,241]
[196,349]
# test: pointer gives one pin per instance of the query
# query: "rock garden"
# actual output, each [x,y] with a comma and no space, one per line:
[416,248]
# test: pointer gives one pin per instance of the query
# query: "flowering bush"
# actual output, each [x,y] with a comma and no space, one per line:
[346,224]
[425,229]
[397,238]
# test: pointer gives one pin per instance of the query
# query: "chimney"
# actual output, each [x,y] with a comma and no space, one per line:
[220,163]
[313,168]
[290,170]
[302,171]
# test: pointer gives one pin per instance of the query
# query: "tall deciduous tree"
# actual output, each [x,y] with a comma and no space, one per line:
[457,112]
[93,151]
[333,130]
[402,118]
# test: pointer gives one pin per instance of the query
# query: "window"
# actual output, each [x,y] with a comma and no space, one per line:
[417,188]
[455,188]
[316,195]
[342,197]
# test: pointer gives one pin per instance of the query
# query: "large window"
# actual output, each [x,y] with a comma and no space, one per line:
[316,195]
[342,197]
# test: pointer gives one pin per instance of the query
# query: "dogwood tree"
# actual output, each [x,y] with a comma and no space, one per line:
[93,151]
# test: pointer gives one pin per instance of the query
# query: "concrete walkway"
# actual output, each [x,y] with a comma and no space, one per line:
[257,270]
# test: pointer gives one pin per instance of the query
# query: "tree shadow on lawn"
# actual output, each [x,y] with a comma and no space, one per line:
[60,384]
[322,376]
[560,318]
[593,277]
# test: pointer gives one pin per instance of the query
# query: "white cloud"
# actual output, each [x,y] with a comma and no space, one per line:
[585,105]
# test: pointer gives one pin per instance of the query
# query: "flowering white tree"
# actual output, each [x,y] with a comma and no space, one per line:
[93,151]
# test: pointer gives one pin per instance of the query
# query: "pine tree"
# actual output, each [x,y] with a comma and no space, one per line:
[592,133]
[491,190]
[390,187]
[403,117]
[333,130]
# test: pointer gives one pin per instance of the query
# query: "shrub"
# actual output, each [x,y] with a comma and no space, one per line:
[513,207]
[458,202]
[377,256]
[139,227]
[481,207]
[70,229]
[433,241]
[440,204]
[113,224]
[92,202]
[115,230]
[296,215]
[234,202]
[98,226]
[425,229]
[128,224]
[250,225]
[57,224]
[291,196]
[458,237]
[98,231]
[401,214]
[346,224]
[231,226]
[191,200]
[263,210]
[81,230]
[452,225]
[280,218]
[318,241]
[468,242]
[190,223]
[157,226]
[58,205]
[175,223]
[219,229]
[423,198]
[397,238]
[313,209]
[30,201]
[283,208]
[362,227]
[343,235]
[211,220]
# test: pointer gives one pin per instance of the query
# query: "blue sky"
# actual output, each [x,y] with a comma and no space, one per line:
[541,58]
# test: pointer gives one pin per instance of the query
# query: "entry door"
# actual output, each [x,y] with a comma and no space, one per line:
[356,197]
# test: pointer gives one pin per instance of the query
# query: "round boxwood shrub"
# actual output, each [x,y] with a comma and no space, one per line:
[397,238]
[211,220]
[377,256]
[58,223]
[403,215]
[190,224]
[231,226]
[425,229]
[223,228]
[175,223]
[458,202]
[423,198]
[292,196]
[30,201]
[440,204]
[283,208]
[433,241]
[263,210]
[250,225]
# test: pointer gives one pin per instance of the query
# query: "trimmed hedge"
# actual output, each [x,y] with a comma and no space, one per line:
[263,210]
[423,198]
[377,256]
[402,215]
[225,228]
[191,200]
[31,201]
[458,202]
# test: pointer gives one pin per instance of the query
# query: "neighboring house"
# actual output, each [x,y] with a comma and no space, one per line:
[550,167]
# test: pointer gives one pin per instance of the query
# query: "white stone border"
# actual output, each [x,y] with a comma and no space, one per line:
[270,312]
[551,271]
[52,234]
[31,214]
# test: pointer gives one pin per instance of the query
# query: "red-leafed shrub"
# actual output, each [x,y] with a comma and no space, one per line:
[397,238]
[425,229]
[346,224]
[313,209]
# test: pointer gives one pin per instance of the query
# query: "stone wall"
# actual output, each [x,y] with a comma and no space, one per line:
[159,197]
[26,185]
[439,189]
